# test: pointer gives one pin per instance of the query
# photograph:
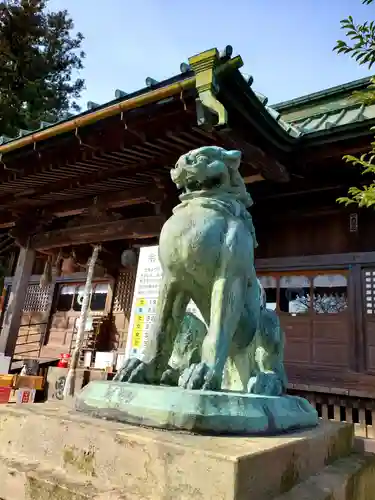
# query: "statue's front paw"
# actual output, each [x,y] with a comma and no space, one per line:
[134,370]
[266,383]
[142,374]
[200,376]
[170,377]
[126,370]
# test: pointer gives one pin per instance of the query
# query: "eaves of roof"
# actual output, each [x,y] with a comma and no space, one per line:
[252,105]
[278,122]
[174,85]
[94,109]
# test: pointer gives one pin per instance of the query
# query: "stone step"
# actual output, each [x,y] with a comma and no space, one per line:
[22,479]
[152,464]
[350,478]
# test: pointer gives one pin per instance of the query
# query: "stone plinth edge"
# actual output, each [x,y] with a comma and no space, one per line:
[195,411]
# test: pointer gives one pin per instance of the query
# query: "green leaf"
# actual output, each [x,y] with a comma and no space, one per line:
[345,200]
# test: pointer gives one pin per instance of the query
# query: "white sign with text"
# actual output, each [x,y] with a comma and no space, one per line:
[145,298]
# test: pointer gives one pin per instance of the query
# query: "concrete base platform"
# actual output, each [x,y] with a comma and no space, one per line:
[26,480]
[174,408]
[52,452]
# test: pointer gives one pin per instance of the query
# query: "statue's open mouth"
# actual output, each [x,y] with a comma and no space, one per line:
[209,183]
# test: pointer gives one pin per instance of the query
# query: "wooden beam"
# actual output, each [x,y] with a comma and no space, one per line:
[266,164]
[305,187]
[306,262]
[159,193]
[329,151]
[117,199]
[250,179]
[137,228]
[300,192]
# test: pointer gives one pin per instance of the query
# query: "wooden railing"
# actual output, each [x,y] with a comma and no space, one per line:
[358,411]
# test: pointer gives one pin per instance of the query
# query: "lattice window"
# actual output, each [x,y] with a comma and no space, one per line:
[370,292]
[124,292]
[37,298]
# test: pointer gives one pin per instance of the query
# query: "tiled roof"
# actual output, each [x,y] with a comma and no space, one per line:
[336,118]
[320,111]
[327,109]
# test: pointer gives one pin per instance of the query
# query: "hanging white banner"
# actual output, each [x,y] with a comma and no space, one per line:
[146,293]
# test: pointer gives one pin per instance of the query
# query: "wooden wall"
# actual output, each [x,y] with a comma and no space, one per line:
[314,234]
[323,349]
[48,328]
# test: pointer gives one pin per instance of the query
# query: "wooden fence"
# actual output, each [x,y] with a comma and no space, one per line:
[357,411]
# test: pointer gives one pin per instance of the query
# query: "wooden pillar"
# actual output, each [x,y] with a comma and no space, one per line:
[13,313]
[358,338]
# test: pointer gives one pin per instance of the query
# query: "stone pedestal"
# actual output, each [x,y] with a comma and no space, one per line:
[50,451]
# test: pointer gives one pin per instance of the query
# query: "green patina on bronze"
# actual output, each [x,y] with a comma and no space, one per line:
[206,251]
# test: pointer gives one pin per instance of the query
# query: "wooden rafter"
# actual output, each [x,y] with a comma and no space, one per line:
[110,167]
[265,164]
[122,132]
[118,199]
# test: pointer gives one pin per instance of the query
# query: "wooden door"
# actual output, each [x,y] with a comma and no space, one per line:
[332,308]
[314,309]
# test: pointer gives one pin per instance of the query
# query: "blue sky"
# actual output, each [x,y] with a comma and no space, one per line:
[286,44]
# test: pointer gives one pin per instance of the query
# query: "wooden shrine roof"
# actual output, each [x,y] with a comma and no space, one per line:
[118,155]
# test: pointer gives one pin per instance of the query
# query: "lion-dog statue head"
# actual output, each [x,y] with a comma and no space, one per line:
[211,167]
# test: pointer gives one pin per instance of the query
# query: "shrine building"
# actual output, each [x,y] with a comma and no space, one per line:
[102,177]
